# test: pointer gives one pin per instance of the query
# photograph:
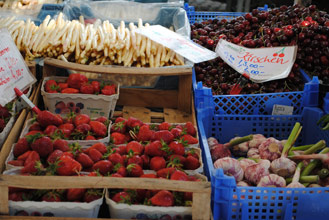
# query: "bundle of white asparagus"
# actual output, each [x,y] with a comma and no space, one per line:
[24,4]
[95,44]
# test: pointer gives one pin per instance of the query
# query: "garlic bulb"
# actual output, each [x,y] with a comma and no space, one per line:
[231,167]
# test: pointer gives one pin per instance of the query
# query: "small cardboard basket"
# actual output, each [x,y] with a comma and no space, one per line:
[92,105]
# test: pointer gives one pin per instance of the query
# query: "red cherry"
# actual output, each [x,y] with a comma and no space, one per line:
[305,23]
[308,18]
[275,54]
[281,55]
[210,42]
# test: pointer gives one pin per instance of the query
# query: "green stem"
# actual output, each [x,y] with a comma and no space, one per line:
[291,140]
[305,179]
[304,147]
[295,178]
[240,140]
[318,146]
[314,163]
[323,173]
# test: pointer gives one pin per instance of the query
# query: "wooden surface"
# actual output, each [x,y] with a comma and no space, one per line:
[161,71]
[32,66]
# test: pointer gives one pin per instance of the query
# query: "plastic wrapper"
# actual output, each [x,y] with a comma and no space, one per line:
[169,14]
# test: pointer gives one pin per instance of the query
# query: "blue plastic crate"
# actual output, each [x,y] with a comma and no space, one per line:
[259,104]
[232,202]
[49,9]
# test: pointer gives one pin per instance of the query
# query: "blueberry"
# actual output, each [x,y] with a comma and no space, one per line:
[177,217]
[48,214]
[165,217]
[36,214]
[141,216]
[80,105]
[187,217]
[21,213]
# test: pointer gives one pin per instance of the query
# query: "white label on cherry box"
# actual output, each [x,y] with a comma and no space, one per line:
[258,64]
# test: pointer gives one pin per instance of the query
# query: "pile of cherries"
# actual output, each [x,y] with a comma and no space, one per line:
[306,27]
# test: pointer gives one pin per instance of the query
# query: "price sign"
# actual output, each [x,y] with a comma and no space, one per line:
[260,64]
[13,70]
[177,43]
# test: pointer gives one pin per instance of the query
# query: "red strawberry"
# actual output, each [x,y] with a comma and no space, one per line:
[75,194]
[149,175]
[35,127]
[60,144]
[96,85]
[176,161]
[163,198]
[21,147]
[98,128]
[2,124]
[50,130]
[46,118]
[102,119]
[31,157]
[190,129]
[192,153]
[157,163]
[83,128]
[134,122]
[118,138]
[24,156]
[51,86]
[156,148]
[90,137]
[68,166]
[121,149]
[43,145]
[177,147]
[108,90]
[134,170]
[122,171]
[119,127]
[119,119]
[18,163]
[87,89]
[4,112]
[121,197]
[101,147]
[179,175]
[17,196]
[164,126]
[166,172]
[95,155]
[92,195]
[81,119]
[32,133]
[145,134]
[75,80]
[189,139]
[136,160]
[191,163]
[70,91]
[84,160]
[104,167]
[68,154]
[146,161]
[56,154]
[136,147]
[116,158]
[51,196]
[67,126]
[63,86]
[176,132]
[31,167]
[164,135]
[116,175]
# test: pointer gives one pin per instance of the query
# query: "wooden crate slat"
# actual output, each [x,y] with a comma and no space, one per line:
[119,70]
[66,182]
[4,207]
[176,116]
[201,205]
[148,98]
[141,113]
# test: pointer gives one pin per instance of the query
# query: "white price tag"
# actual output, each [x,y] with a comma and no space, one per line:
[177,43]
[13,69]
[259,64]
[282,110]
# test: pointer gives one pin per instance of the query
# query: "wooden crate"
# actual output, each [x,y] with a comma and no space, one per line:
[183,112]
[180,99]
